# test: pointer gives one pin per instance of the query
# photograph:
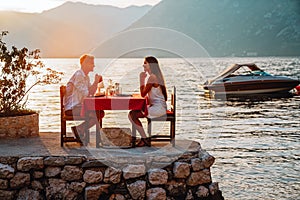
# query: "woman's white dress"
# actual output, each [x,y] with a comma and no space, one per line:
[157,105]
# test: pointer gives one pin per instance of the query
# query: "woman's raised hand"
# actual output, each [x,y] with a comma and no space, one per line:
[143,75]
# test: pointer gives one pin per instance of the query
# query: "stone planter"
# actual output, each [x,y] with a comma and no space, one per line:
[19,126]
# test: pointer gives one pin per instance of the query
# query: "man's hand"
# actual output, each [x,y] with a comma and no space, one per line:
[98,78]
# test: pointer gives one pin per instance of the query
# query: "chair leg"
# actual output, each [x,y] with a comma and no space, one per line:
[172,133]
[149,129]
[63,132]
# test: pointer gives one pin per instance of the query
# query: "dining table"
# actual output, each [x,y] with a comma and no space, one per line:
[114,102]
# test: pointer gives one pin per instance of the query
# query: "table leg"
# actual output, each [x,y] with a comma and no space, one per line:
[133,136]
[98,127]
[86,131]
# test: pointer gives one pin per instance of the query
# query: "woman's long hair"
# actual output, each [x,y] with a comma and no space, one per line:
[155,69]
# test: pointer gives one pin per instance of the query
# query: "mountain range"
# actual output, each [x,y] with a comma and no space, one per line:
[220,27]
[233,27]
[68,30]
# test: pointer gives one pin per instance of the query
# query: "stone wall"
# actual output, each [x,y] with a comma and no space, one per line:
[81,177]
[19,126]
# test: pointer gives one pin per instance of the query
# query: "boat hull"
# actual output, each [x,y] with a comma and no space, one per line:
[253,87]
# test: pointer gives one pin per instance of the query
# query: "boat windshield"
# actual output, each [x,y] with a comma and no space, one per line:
[248,71]
[240,70]
[260,73]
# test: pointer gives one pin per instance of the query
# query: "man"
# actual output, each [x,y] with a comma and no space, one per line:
[77,89]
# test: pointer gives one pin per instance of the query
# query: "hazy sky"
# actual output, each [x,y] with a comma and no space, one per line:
[40,5]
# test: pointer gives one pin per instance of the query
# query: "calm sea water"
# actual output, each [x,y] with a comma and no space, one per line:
[256,143]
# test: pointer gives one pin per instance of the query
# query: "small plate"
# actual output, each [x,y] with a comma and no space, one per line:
[101,95]
[123,95]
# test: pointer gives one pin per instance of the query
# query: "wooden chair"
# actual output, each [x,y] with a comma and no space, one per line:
[171,117]
[64,118]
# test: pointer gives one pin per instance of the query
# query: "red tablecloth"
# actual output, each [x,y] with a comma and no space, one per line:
[114,103]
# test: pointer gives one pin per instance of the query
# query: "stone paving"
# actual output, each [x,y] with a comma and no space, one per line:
[48,144]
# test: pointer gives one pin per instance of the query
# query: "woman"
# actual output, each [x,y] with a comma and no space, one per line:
[155,88]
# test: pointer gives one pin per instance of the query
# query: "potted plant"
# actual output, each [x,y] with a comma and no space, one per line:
[16,67]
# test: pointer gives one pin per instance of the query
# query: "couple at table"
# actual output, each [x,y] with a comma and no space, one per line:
[152,84]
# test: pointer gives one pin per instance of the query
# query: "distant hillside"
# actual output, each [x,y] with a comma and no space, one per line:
[68,30]
[232,27]
[222,27]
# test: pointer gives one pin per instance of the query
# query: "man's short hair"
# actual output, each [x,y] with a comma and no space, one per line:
[85,56]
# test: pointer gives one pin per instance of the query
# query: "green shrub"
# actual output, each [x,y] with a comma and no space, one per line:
[17,66]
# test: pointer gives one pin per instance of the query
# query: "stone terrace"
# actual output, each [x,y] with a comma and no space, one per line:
[38,168]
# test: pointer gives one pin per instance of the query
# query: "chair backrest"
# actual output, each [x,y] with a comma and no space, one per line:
[62,94]
[173,100]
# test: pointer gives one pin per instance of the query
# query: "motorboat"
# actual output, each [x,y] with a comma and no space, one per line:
[247,79]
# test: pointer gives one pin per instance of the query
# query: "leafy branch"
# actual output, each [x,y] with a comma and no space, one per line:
[17,66]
